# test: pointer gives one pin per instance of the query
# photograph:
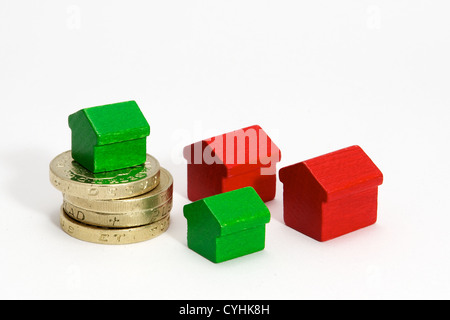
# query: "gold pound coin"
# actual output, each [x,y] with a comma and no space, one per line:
[155,198]
[118,220]
[112,236]
[69,177]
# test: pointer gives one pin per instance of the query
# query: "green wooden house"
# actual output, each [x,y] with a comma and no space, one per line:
[109,137]
[227,225]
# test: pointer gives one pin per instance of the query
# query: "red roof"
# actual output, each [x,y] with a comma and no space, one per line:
[339,173]
[239,151]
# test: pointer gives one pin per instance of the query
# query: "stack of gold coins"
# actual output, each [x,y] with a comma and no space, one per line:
[115,207]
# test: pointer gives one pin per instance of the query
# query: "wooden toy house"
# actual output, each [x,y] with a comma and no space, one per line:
[331,195]
[241,158]
[227,225]
[109,137]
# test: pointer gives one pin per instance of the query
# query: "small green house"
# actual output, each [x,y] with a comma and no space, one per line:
[227,225]
[109,137]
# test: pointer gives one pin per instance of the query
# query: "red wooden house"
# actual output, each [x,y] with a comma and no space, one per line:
[331,195]
[241,158]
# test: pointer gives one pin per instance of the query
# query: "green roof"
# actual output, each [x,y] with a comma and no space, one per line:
[233,211]
[114,122]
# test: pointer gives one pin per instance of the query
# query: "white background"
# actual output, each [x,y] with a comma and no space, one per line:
[316,75]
